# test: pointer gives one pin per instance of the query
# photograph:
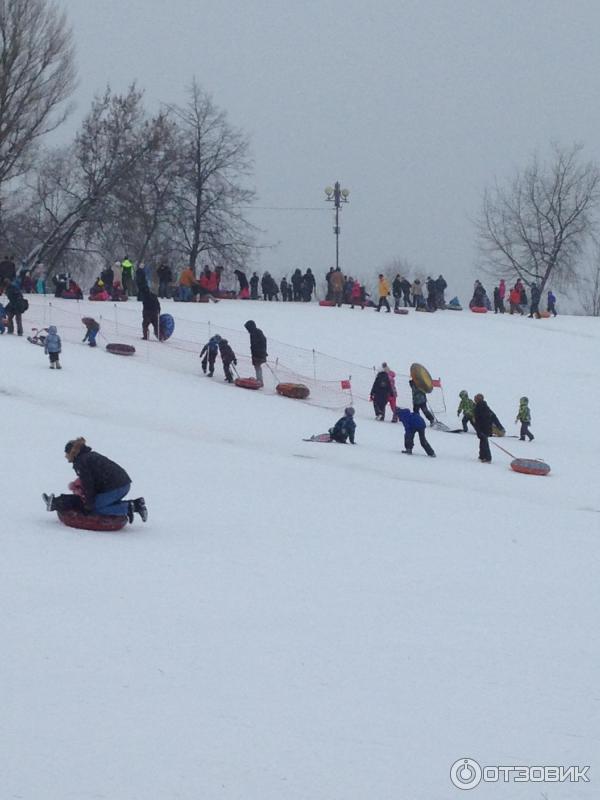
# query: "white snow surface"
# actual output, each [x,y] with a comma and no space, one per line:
[298,621]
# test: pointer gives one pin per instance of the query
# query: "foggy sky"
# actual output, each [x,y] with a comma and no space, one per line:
[414,106]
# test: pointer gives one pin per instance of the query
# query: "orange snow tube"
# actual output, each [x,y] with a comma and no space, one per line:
[248,383]
[530,466]
[296,390]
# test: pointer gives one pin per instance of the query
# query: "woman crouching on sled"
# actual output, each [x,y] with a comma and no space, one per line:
[101,487]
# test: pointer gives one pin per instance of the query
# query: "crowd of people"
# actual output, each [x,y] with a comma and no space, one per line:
[517,299]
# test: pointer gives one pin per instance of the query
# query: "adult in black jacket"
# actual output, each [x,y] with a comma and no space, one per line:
[297,285]
[141,281]
[104,484]
[483,420]
[150,312]
[254,286]
[431,294]
[397,290]
[534,308]
[440,288]
[258,348]
[165,279]
[381,391]
[16,306]
[308,285]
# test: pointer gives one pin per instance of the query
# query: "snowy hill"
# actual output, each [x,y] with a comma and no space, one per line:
[299,621]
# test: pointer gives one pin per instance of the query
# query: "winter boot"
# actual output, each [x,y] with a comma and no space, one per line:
[58,365]
[139,505]
[407,452]
[48,500]
[52,365]
[130,511]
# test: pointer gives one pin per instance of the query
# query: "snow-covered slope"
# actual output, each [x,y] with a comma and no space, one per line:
[298,621]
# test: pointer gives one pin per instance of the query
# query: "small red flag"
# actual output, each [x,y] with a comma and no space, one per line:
[346,385]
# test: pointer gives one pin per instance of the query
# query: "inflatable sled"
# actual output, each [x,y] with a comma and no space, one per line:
[91,522]
[401,311]
[319,437]
[166,326]
[248,383]
[120,349]
[38,336]
[328,303]
[296,390]
[422,378]
[479,309]
[529,466]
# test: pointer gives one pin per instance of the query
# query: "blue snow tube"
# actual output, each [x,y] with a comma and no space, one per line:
[166,326]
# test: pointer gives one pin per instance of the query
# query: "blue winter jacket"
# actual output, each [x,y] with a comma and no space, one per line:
[345,426]
[52,344]
[412,422]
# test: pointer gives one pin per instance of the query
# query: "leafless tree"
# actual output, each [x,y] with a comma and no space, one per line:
[536,227]
[37,74]
[206,212]
[589,288]
[135,215]
[73,188]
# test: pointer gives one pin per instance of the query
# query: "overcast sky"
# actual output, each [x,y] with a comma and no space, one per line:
[414,106]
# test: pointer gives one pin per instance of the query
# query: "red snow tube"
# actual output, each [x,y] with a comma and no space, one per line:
[248,383]
[326,303]
[530,466]
[296,390]
[120,349]
[91,522]
[479,309]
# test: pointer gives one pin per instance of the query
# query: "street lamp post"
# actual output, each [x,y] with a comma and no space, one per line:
[337,196]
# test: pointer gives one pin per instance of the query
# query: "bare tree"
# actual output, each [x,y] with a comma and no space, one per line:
[135,215]
[206,211]
[37,73]
[74,185]
[536,227]
[589,288]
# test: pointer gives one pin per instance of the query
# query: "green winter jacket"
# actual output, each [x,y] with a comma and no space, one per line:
[466,407]
[524,414]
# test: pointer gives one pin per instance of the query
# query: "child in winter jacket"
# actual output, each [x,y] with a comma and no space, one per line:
[92,328]
[524,417]
[52,347]
[414,423]
[208,354]
[419,399]
[466,407]
[228,358]
[552,303]
[344,428]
